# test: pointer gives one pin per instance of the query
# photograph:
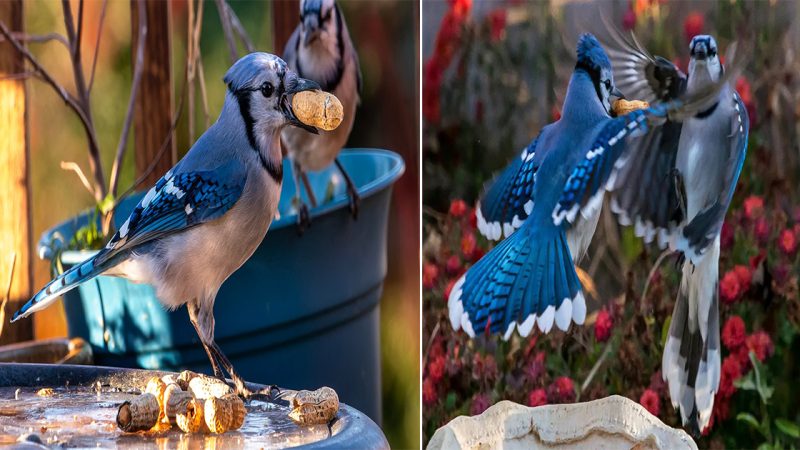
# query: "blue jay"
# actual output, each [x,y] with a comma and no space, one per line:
[205,217]
[320,49]
[547,203]
[678,183]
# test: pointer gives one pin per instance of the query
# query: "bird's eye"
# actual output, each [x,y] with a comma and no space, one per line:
[712,52]
[608,84]
[267,89]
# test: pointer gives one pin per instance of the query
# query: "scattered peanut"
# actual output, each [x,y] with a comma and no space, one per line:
[202,386]
[314,407]
[192,420]
[46,392]
[318,109]
[622,106]
[139,414]
[175,402]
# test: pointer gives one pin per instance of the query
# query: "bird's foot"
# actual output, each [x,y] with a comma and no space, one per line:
[355,200]
[270,393]
[303,219]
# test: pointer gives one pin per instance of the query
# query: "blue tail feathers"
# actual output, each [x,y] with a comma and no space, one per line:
[59,286]
[527,279]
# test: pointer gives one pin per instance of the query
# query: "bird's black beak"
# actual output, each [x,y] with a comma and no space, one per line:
[295,85]
[310,36]
[616,93]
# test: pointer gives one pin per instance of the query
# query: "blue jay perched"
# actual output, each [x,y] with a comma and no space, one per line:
[678,183]
[546,203]
[320,49]
[205,217]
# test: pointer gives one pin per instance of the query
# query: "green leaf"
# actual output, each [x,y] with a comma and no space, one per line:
[746,382]
[665,331]
[107,203]
[748,419]
[765,446]
[450,401]
[788,427]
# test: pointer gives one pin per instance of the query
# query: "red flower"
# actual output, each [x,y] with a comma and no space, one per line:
[731,371]
[562,390]
[473,219]
[693,25]
[733,333]
[429,394]
[603,325]
[729,287]
[497,24]
[753,207]
[461,8]
[480,403]
[746,94]
[744,275]
[651,402]
[468,245]
[787,242]
[458,208]
[436,368]
[629,19]
[535,369]
[430,275]
[448,288]
[761,230]
[537,397]
[453,265]
[727,236]
[431,86]
[760,344]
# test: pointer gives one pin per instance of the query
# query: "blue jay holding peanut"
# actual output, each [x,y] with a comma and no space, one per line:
[547,202]
[206,216]
[320,49]
[675,188]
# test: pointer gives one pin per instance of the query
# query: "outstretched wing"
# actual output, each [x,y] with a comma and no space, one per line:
[177,202]
[508,199]
[647,194]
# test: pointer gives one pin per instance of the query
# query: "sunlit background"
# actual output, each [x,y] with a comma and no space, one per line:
[385,35]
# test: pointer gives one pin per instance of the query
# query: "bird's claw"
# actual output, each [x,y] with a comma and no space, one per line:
[355,201]
[303,219]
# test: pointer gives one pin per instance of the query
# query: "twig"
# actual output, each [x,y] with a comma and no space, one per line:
[237,26]
[137,78]
[227,28]
[39,38]
[95,163]
[97,44]
[430,342]
[653,269]
[70,165]
[190,61]
[17,76]
[8,292]
[596,367]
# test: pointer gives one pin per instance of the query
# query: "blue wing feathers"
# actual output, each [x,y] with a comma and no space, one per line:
[524,277]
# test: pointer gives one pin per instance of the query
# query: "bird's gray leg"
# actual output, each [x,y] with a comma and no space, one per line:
[303,218]
[352,192]
[307,184]
[193,309]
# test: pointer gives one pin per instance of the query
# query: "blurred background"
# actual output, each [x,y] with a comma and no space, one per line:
[494,73]
[386,38]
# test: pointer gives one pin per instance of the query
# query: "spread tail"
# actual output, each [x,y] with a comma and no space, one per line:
[691,360]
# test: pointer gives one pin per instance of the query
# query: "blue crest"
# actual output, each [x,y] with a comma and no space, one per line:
[591,53]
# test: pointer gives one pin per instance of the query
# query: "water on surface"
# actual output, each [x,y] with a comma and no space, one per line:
[79,417]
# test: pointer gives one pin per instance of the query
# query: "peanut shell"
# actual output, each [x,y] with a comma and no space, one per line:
[139,414]
[622,106]
[318,109]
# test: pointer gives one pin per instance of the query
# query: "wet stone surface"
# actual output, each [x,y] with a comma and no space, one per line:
[82,417]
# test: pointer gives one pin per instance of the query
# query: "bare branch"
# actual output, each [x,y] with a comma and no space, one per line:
[138,69]
[17,76]
[227,27]
[190,61]
[39,38]
[97,44]
[73,166]
[203,95]
[95,163]
[237,26]
[198,68]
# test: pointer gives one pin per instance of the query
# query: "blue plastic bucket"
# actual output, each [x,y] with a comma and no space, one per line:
[303,312]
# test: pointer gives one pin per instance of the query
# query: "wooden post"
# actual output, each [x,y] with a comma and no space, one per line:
[285,15]
[15,230]
[153,111]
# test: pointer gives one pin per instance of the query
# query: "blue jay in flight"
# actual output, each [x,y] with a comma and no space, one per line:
[320,49]
[547,203]
[675,187]
[206,216]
